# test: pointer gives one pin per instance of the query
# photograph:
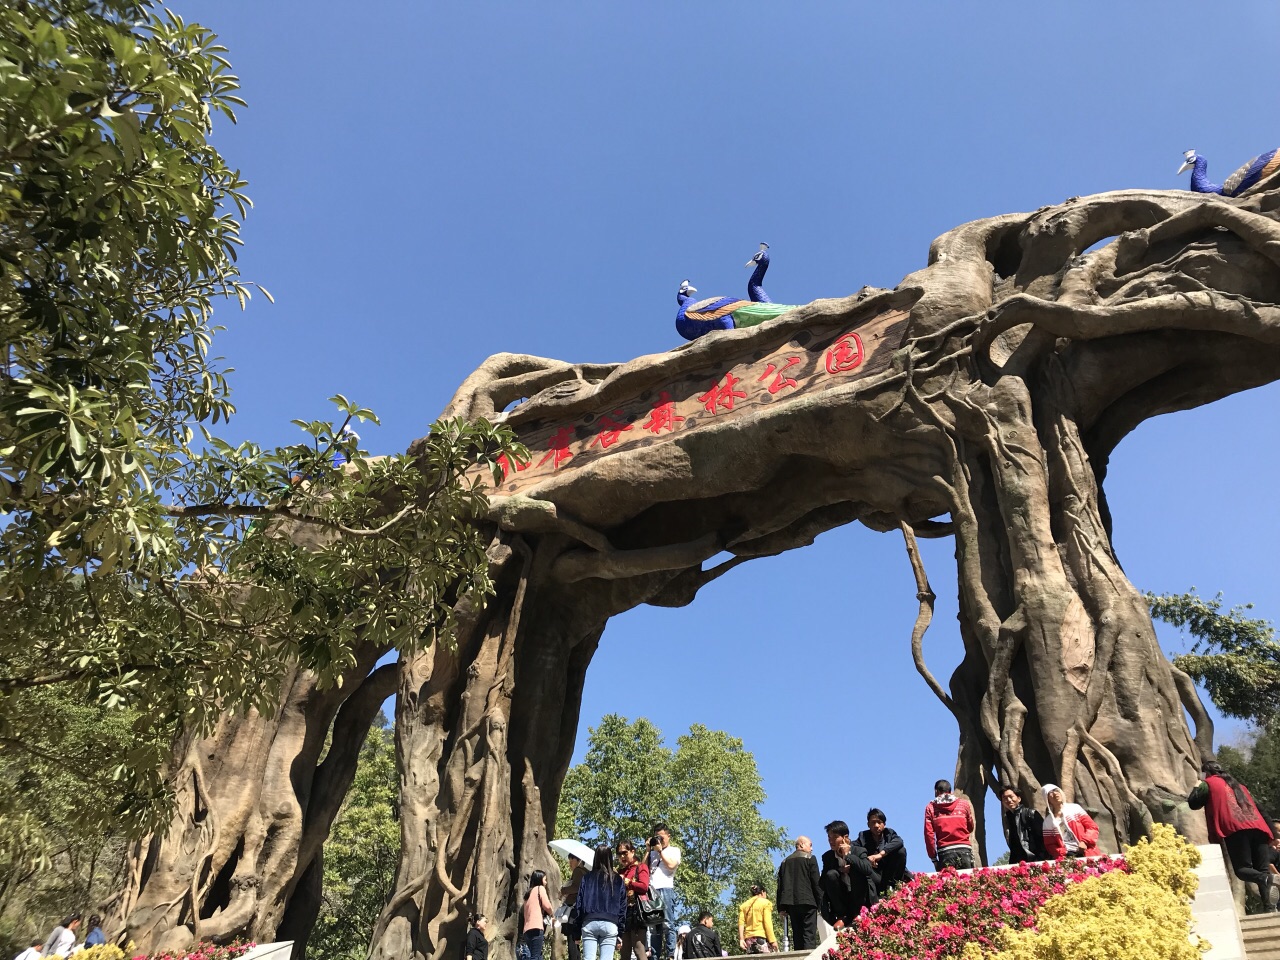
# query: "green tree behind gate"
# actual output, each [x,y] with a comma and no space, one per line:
[708,790]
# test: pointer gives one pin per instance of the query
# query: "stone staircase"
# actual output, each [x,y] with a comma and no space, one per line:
[1261,936]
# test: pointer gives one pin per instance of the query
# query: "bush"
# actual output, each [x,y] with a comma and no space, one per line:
[1134,915]
[935,915]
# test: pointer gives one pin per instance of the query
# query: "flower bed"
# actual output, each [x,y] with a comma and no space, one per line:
[205,951]
[201,951]
[1140,913]
[1134,908]
[935,915]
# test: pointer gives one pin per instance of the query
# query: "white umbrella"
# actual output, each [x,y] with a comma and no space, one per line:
[574,848]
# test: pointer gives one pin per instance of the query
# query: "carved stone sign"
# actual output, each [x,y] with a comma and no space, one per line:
[808,362]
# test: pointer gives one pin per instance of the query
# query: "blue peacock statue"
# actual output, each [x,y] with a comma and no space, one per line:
[1260,166]
[695,319]
[755,290]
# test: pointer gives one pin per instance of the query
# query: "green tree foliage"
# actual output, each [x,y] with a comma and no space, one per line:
[726,845]
[618,792]
[361,853]
[145,563]
[707,790]
[1235,656]
[1237,659]
[62,849]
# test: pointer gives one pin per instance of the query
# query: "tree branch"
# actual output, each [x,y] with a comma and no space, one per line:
[616,564]
[260,510]
[1209,311]
[1260,232]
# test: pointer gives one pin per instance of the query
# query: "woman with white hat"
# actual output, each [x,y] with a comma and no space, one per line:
[1069,831]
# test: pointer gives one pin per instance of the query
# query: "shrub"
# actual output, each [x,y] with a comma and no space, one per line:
[103,951]
[1134,915]
[935,915]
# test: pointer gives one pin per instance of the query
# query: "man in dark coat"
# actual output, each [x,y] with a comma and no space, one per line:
[1023,828]
[848,878]
[800,894]
[886,851]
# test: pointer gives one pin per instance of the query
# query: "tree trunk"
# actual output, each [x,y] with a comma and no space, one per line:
[485,732]
[1052,625]
[254,804]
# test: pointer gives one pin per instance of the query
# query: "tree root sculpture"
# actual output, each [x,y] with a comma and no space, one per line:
[255,801]
[980,400]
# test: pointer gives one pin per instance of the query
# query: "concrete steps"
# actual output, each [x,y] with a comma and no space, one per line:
[1213,912]
[1261,936]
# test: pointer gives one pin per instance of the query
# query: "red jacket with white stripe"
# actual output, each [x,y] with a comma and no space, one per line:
[948,822]
[1080,823]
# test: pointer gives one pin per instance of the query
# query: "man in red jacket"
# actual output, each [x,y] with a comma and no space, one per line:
[948,825]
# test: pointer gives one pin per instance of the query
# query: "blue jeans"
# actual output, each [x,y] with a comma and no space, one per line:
[599,935]
[667,946]
[533,942]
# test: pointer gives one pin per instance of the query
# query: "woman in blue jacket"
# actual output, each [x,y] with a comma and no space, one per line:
[601,907]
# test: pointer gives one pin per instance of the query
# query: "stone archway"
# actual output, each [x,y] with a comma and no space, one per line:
[979,400]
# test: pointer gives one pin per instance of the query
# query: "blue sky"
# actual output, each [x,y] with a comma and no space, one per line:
[437,182]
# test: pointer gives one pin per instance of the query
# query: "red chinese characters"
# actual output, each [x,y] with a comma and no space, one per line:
[612,431]
[663,415]
[722,395]
[780,378]
[845,354]
[505,463]
[558,447]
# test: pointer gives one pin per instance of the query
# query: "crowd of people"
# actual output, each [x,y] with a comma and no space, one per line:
[624,902]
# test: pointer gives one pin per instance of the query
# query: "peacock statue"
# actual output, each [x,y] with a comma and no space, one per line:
[1260,166]
[755,290]
[697,318]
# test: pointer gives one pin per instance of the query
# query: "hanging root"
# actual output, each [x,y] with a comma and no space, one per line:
[926,596]
[1190,698]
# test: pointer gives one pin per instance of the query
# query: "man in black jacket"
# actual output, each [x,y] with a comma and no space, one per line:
[800,893]
[886,851]
[1023,828]
[848,878]
[702,940]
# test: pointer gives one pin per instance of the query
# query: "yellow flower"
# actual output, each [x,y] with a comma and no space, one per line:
[104,951]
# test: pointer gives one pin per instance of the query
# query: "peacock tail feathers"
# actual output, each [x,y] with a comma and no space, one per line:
[757,313]
[713,308]
[1260,166]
